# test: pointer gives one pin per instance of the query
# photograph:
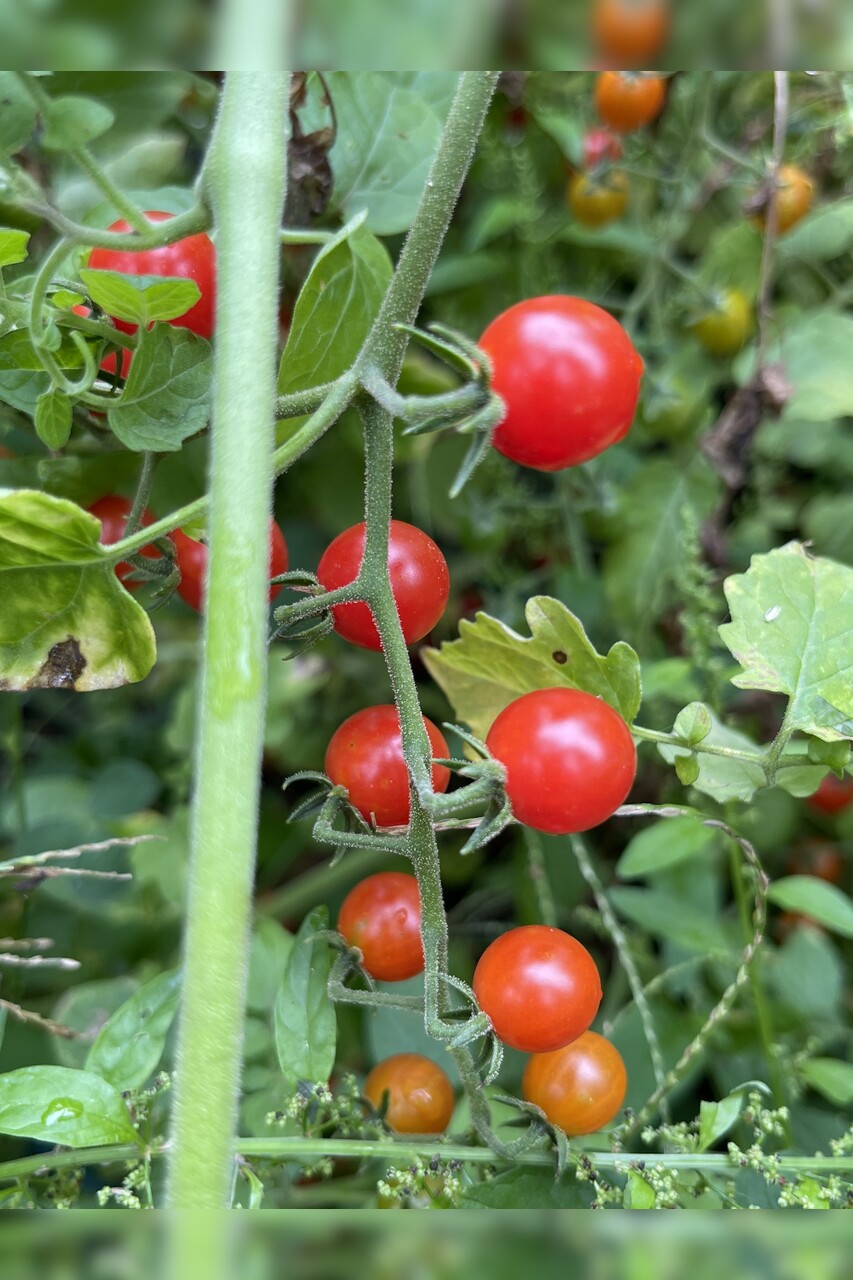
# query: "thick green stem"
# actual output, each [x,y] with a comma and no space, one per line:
[245,179]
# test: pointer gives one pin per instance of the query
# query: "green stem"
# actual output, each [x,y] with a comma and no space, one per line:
[143,491]
[309,1150]
[707,748]
[245,177]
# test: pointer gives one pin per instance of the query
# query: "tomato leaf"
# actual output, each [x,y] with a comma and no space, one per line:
[66,621]
[167,394]
[665,915]
[831,1077]
[825,233]
[335,309]
[639,1193]
[130,1045]
[717,1118]
[60,1105]
[490,664]
[792,632]
[270,948]
[140,299]
[17,114]
[13,246]
[719,776]
[305,1022]
[821,902]
[815,353]
[53,418]
[693,724]
[663,845]
[73,121]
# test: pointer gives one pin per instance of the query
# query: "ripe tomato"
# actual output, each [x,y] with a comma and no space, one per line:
[580,1087]
[600,145]
[365,755]
[420,1095]
[108,364]
[113,512]
[595,202]
[382,917]
[817,858]
[420,582]
[833,795]
[193,257]
[630,33]
[570,759]
[192,563]
[723,331]
[626,102]
[794,193]
[539,986]
[569,377]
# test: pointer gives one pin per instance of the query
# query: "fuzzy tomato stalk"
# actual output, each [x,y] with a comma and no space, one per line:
[113,512]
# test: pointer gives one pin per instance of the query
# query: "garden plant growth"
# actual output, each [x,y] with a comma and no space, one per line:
[426,599]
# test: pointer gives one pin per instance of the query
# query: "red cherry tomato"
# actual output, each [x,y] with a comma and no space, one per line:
[193,257]
[580,1087]
[382,917]
[819,859]
[794,195]
[570,759]
[625,102]
[420,1095]
[420,582]
[600,145]
[539,986]
[192,562]
[630,33]
[569,377]
[365,755]
[113,512]
[833,795]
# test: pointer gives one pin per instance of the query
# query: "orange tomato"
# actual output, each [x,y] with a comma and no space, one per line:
[630,33]
[794,192]
[420,1095]
[626,101]
[579,1087]
[595,202]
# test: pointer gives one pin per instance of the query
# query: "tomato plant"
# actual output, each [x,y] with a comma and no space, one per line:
[569,758]
[579,1087]
[382,917]
[365,755]
[626,102]
[420,1095]
[113,512]
[569,378]
[191,556]
[419,581]
[193,257]
[596,202]
[539,986]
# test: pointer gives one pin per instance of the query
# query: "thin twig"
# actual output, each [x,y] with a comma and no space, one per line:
[771,226]
[15,865]
[28,1015]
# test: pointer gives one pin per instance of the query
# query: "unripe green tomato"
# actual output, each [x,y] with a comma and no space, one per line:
[725,329]
[672,407]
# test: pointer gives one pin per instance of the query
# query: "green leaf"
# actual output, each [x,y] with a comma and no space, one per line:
[140,299]
[305,1023]
[17,114]
[717,1118]
[826,233]
[66,621]
[71,122]
[130,1045]
[13,246]
[53,418]
[666,916]
[827,522]
[335,309]
[663,845]
[642,565]
[831,1077]
[693,724]
[791,631]
[389,126]
[270,949]
[835,755]
[17,351]
[490,664]
[732,259]
[687,770]
[719,776]
[527,1189]
[167,394]
[638,1194]
[821,902]
[815,352]
[806,975]
[63,1106]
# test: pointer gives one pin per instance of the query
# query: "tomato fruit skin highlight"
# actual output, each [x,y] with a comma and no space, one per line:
[382,917]
[365,755]
[191,556]
[569,757]
[420,1095]
[579,1087]
[113,512]
[420,582]
[539,986]
[194,257]
[569,377]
